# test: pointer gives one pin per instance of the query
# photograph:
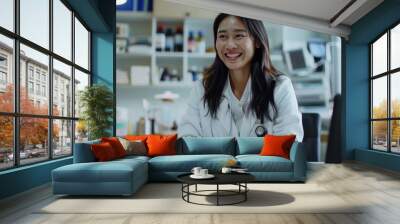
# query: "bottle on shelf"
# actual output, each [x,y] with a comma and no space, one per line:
[169,40]
[174,75]
[179,39]
[191,42]
[160,38]
[200,43]
[165,74]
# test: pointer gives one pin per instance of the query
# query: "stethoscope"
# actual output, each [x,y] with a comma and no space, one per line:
[260,129]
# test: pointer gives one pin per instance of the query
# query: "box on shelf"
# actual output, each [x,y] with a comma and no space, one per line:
[122,77]
[140,75]
[139,49]
[121,45]
[122,30]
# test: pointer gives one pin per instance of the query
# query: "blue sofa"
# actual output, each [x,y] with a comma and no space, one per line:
[125,176]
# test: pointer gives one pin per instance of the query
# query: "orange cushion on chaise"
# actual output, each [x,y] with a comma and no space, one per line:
[103,152]
[117,146]
[159,145]
[277,145]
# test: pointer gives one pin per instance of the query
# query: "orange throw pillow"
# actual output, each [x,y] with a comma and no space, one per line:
[277,145]
[136,138]
[161,145]
[116,145]
[103,152]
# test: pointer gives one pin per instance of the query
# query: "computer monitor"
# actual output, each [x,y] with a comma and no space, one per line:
[297,62]
[317,48]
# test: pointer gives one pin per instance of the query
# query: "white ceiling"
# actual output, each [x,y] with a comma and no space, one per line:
[316,15]
[320,9]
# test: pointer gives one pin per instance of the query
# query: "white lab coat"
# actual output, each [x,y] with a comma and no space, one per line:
[197,120]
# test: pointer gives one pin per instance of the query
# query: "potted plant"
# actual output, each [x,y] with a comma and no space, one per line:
[96,103]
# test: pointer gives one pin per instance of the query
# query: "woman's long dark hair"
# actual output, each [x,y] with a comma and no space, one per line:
[263,74]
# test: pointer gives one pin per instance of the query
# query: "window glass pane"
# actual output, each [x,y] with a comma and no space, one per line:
[33,139]
[6,74]
[7,14]
[62,89]
[395,47]
[62,29]
[81,45]
[35,21]
[34,97]
[81,81]
[62,138]
[395,136]
[379,55]
[81,131]
[395,94]
[379,135]
[379,97]
[6,142]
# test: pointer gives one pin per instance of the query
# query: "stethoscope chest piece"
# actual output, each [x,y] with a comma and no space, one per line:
[260,130]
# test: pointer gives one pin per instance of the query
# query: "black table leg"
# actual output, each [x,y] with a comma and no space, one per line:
[196,188]
[217,194]
[245,193]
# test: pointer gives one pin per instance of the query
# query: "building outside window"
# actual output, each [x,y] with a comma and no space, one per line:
[30,72]
[43,90]
[44,77]
[30,87]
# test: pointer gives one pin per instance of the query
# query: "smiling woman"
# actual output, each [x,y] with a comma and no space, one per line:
[242,94]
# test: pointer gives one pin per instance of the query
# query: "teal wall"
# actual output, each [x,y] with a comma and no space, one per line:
[356,84]
[24,178]
[99,15]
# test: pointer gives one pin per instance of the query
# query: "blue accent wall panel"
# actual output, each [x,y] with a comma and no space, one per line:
[356,98]
[356,84]
[24,178]
[102,58]
[376,158]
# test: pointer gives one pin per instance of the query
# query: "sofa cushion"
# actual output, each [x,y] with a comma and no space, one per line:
[83,152]
[257,163]
[185,163]
[103,152]
[112,171]
[249,145]
[275,145]
[206,145]
[116,145]
[136,147]
[161,145]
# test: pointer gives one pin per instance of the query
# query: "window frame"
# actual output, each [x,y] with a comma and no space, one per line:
[16,114]
[388,74]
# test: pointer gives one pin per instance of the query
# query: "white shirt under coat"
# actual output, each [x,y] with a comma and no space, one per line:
[234,117]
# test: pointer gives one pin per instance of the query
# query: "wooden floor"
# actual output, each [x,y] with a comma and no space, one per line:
[377,188]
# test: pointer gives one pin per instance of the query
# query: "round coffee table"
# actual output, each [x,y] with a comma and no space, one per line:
[238,179]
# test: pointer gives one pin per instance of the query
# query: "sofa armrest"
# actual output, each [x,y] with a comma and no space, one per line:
[83,152]
[298,157]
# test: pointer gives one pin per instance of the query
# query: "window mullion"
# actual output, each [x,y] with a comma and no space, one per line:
[16,84]
[50,81]
[73,82]
[389,93]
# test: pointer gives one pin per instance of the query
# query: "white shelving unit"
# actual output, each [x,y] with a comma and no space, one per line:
[145,24]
